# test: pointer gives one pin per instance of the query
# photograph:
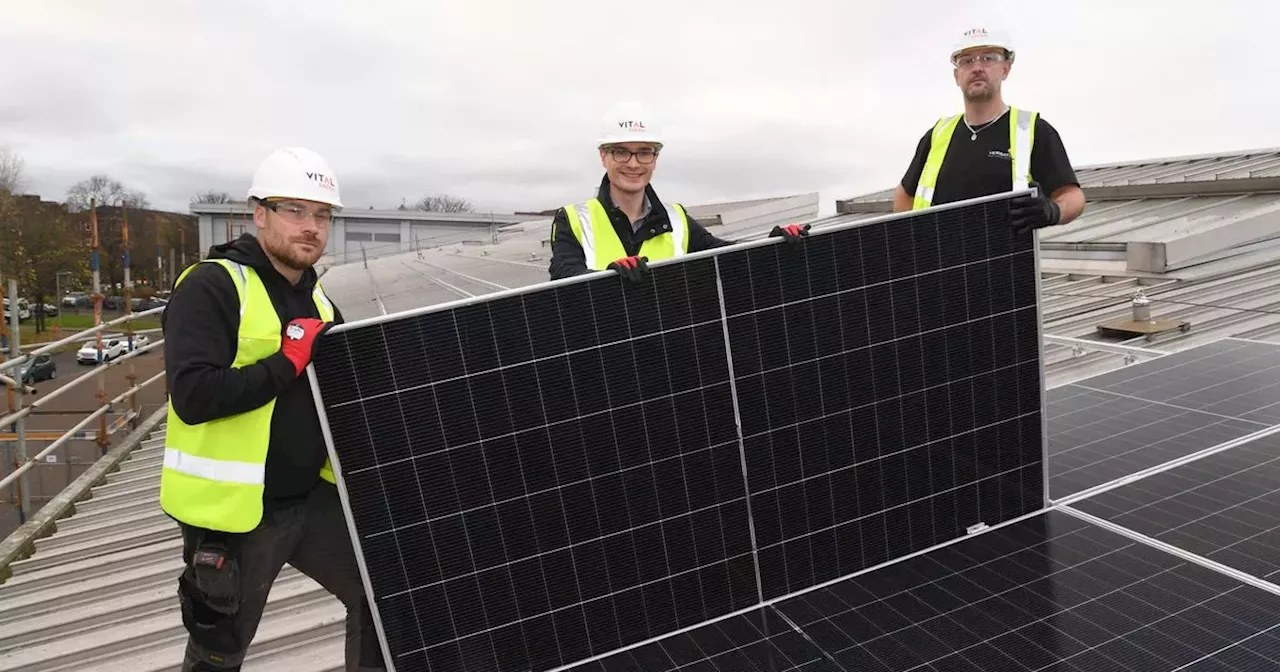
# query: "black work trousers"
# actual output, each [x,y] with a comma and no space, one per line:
[222,603]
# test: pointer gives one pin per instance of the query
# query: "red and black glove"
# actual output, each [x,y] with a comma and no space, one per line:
[299,342]
[792,232]
[632,269]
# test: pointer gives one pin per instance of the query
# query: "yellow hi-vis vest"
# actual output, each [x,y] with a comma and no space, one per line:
[600,243]
[214,472]
[1022,130]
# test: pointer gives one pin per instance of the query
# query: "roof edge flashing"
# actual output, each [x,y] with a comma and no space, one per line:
[1250,185]
[1237,232]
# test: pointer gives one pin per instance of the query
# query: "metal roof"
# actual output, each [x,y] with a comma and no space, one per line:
[99,594]
[1237,172]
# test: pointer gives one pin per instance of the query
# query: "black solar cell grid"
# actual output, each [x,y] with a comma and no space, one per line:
[1096,437]
[889,381]
[1225,507]
[1051,594]
[546,475]
[1230,377]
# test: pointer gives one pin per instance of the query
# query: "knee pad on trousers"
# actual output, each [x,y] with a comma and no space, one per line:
[213,630]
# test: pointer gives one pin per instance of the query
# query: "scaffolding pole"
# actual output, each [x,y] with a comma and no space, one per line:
[97,318]
[15,345]
[132,374]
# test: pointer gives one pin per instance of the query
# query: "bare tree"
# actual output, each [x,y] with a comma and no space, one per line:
[136,200]
[105,191]
[211,196]
[12,179]
[443,203]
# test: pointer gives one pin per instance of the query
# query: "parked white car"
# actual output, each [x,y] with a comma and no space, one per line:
[24,310]
[111,348]
[139,341]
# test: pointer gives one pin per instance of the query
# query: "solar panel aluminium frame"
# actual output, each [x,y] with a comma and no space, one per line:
[588,277]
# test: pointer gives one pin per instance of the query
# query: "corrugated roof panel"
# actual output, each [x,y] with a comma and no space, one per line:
[1199,215]
[1123,176]
[1175,168]
[1271,169]
[1161,219]
[1115,218]
[1212,171]
[1248,168]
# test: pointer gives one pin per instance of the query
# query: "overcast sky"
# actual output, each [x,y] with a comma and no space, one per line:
[499,101]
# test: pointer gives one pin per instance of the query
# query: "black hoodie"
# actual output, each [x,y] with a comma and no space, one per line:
[200,334]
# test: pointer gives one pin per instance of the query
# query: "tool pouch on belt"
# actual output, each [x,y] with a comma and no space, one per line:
[209,592]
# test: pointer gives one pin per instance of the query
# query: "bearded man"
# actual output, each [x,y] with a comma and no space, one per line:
[246,473]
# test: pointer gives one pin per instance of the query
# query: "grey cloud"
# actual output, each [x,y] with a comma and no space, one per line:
[499,101]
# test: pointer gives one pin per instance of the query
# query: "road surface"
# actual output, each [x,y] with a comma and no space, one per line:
[51,476]
[70,407]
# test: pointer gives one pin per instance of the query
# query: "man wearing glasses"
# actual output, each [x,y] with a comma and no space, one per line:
[626,225]
[246,473]
[992,148]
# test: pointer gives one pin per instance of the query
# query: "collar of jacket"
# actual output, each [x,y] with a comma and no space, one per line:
[248,250]
[657,211]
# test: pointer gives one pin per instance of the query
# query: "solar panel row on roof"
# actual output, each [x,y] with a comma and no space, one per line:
[1051,592]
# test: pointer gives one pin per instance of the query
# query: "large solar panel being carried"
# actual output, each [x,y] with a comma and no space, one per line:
[686,474]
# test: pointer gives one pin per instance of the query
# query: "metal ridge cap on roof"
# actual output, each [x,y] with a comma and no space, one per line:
[1131,163]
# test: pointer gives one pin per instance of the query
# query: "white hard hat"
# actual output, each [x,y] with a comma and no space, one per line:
[629,122]
[296,172]
[981,37]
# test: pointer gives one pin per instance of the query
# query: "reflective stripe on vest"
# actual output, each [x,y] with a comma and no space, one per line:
[214,472]
[1022,129]
[600,244]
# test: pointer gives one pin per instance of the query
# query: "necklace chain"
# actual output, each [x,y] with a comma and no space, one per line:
[973,133]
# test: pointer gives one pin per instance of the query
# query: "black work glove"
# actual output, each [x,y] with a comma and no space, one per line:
[792,232]
[1029,212]
[632,269]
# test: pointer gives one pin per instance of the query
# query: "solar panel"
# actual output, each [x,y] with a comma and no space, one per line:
[531,482]
[890,387]
[1115,424]
[1051,592]
[1096,437]
[758,640]
[1224,506]
[547,474]
[1232,377]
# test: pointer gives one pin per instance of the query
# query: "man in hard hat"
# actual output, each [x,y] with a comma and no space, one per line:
[626,225]
[992,148]
[246,473]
